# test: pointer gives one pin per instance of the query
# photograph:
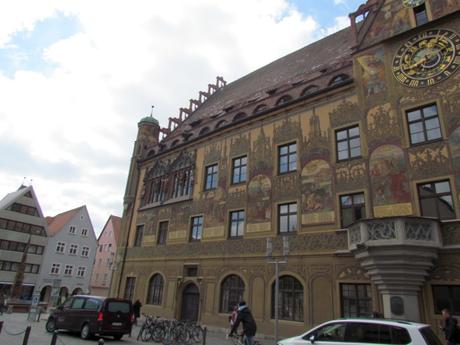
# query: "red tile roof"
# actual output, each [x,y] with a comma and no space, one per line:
[56,223]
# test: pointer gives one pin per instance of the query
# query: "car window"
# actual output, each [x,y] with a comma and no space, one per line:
[400,335]
[67,303]
[331,332]
[429,336]
[92,304]
[78,303]
[116,306]
[362,332]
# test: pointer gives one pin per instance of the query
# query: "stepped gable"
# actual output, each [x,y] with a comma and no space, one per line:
[314,64]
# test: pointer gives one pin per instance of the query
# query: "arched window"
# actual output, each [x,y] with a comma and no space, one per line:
[231,293]
[284,99]
[204,130]
[309,90]
[155,291]
[338,79]
[290,303]
[221,123]
[239,117]
[260,108]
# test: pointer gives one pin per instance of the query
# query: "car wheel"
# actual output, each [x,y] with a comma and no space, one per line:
[118,336]
[50,325]
[85,332]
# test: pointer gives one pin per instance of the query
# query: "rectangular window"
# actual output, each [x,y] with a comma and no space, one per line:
[191,271]
[352,208]
[446,296]
[287,158]
[436,200]
[356,300]
[237,223]
[423,124]
[68,270]
[162,232]
[239,169]
[420,15]
[84,232]
[139,236]
[287,217]
[196,228]
[211,177]
[60,248]
[129,288]
[348,143]
[55,268]
[85,252]
[81,271]
[72,230]
[73,249]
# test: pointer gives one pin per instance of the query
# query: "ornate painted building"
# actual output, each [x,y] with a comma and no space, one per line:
[350,147]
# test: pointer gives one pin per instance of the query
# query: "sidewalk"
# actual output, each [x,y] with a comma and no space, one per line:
[17,322]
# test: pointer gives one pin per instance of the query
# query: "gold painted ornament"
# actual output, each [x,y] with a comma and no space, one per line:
[427,58]
[412,3]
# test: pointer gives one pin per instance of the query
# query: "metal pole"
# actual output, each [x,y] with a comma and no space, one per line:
[277,287]
[54,338]
[26,336]
[1,326]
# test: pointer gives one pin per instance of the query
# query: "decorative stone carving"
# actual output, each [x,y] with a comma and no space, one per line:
[381,231]
[352,273]
[451,233]
[355,234]
[418,231]
[446,273]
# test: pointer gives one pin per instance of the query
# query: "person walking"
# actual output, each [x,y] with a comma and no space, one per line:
[249,324]
[450,327]
[2,303]
[137,310]
[233,316]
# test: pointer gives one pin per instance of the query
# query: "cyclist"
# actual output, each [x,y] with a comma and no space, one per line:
[249,325]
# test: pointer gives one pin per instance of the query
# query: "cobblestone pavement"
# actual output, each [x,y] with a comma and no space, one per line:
[16,323]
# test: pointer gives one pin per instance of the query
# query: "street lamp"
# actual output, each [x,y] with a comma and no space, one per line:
[277,261]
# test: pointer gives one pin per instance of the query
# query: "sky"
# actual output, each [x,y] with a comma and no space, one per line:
[76,76]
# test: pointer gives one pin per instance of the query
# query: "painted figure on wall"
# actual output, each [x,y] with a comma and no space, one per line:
[259,199]
[442,7]
[393,19]
[317,200]
[388,175]
[262,154]
[373,72]
[382,124]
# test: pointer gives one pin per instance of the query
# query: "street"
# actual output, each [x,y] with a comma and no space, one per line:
[17,322]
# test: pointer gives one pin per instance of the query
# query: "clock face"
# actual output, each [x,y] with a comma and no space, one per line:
[427,58]
[412,3]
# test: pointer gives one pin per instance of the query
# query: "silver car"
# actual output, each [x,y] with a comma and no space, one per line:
[366,331]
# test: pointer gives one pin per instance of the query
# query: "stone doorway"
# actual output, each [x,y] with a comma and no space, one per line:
[190,303]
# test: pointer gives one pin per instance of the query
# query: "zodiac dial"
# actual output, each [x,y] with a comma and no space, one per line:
[427,58]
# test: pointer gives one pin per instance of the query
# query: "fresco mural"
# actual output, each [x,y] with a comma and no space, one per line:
[351,175]
[317,199]
[259,199]
[382,125]
[262,156]
[388,176]
[346,112]
[441,7]
[454,144]
[288,130]
[316,144]
[392,20]
[429,161]
[373,72]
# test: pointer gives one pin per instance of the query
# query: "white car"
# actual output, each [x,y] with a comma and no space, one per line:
[366,331]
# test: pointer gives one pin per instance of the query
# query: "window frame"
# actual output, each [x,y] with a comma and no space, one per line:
[73,245]
[214,175]
[450,298]
[83,248]
[238,222]
[297,295]
[192,226]
[72,230]
[420,9]
[436,197]
[353,206]
[288,156]
[165,237]
[81,272]
[155,292]
[422,120]
[137,241]
[63,248]
[348,139]
[240,167]
[228,293]
[288,215]
[66,269]
[357,300]
[58,269]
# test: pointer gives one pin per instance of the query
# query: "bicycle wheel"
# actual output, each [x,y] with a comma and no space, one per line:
[197,334]
[146,334]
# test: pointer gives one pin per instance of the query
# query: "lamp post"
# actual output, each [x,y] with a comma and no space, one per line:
[271,259]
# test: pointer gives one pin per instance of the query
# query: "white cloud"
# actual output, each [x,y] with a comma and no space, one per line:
[128,55]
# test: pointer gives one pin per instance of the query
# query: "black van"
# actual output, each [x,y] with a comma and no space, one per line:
[90,315]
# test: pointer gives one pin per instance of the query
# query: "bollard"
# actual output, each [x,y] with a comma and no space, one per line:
[54,338]
[1,326]
[205,332]
[100,342]
[26,336]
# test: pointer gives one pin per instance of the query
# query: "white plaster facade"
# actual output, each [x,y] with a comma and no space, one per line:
[69,256]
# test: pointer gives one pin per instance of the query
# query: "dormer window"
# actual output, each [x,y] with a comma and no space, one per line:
[260,108]
[338,79]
